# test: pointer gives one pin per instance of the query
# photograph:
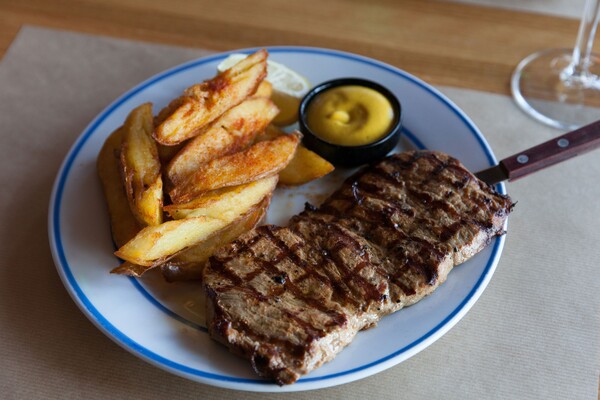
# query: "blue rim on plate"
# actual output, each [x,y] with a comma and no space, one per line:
[74,289]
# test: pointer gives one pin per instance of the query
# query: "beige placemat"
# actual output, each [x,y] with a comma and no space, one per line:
[533,334]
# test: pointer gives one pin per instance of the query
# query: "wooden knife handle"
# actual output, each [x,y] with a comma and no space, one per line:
[553,151]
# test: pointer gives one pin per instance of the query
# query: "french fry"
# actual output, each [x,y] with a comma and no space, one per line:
[204,102]
[140,167]
[168,111]
[265,89]
[231,132]
[154,245]
[304,167]
[223,161]
[123,224]
[189,264]
[166,153]
[130,269]
[258,161]
[269,133]
[224,203]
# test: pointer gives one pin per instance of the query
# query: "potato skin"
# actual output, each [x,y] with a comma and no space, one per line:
[206,101]
[258,161]
[231,132]
[140,167]
[220,159]
[189,264]
[304,167]
[123,224]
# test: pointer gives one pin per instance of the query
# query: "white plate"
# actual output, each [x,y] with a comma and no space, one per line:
[163,323]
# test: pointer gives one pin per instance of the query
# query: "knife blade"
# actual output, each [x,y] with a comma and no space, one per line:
[493,175]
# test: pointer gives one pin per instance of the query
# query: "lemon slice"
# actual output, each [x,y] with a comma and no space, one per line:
[288,87]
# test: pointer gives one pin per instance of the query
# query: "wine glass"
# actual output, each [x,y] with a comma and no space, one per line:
[561,87]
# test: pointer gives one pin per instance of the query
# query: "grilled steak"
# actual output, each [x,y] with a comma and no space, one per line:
[290,298]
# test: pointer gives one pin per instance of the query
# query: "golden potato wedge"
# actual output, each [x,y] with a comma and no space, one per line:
[288,106]
[304,167]
[204,102]
[258,161]
[265,89]
[166,153]
[229,233]
[140,167]
[225,203]
[154,245]
[169,110]
[150,203]
[130,269]
[269,133]
[189,264]
[123,224]
[231,132]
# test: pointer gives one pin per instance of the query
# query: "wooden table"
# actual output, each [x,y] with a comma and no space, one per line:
[443,43]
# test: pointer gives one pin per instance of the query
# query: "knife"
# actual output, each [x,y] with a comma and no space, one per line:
[544,155]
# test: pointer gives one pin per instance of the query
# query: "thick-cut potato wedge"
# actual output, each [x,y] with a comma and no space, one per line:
[288,105]
[149,204]
[204,102]
[154,245]
[265,89]
[189,264]
[258,161]
[232,131]
[140,167]
[123,224]
[168,111]
[166,153]
[130,269]
[224,203]
[271,132]
[304,167]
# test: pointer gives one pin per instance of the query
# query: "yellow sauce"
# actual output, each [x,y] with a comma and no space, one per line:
[350,115]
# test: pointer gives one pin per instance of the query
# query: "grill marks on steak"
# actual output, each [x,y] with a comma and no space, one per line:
[273,307]
[291,298]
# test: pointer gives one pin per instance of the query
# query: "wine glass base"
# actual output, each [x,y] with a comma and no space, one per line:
[544,86]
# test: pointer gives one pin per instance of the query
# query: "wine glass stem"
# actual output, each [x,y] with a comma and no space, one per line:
[585,39]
